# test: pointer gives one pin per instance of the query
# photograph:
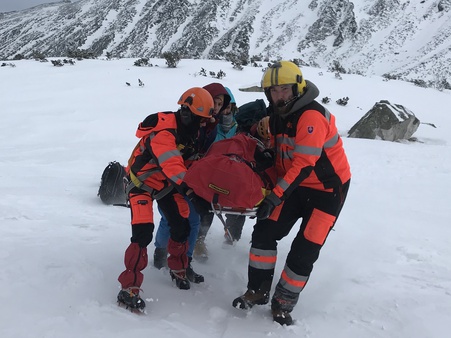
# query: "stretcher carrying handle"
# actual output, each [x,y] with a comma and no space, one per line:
[218,210]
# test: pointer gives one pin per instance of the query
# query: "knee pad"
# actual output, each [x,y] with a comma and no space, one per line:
[318,226]
[182,205]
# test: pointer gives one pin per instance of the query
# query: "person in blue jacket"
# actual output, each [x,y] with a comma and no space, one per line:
[225,128]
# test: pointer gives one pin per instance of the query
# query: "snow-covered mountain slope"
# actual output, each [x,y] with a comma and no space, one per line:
[407,38]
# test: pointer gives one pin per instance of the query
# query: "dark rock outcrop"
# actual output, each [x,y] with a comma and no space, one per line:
[386,121]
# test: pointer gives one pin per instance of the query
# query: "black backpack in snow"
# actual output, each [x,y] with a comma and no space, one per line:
[111,190]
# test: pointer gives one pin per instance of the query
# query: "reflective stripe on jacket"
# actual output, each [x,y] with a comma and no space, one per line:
[309,150]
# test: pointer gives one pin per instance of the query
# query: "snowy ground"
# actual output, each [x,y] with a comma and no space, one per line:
[384,272]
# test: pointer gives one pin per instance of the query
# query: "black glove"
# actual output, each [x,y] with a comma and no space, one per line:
[263,159]
[267,206]
[202,206]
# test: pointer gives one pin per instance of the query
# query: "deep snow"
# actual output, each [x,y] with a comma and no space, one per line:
[384,272]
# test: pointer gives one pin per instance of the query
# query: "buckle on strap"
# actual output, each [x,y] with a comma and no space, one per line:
[156,195]
[136,182]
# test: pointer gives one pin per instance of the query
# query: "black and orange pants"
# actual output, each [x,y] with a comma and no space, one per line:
[319,211]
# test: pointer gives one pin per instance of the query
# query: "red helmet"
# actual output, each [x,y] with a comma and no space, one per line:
[198,100]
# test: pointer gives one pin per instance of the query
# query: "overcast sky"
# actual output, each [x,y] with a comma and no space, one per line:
[17,5]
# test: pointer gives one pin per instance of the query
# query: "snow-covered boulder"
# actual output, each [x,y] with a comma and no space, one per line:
[386,121]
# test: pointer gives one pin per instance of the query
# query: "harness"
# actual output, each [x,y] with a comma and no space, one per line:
[138,182]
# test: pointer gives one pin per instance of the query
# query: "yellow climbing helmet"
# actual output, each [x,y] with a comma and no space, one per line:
[284,73]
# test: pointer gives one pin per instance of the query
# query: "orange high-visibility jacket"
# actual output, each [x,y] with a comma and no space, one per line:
[309,150]
[157,158]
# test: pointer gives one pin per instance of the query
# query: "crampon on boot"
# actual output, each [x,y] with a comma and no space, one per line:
[192,276]
[180,279]
[251,298]
[129,298]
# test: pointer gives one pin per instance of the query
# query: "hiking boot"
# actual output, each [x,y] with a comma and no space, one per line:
[130,299]
[192,276]
[228,238]
[200,252]
[234,227]
[282,317]
[279,314]
[160,258]
[251,298]
[180,279]
[282,303]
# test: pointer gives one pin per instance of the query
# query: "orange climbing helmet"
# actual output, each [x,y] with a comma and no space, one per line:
[198,100]
[263,129]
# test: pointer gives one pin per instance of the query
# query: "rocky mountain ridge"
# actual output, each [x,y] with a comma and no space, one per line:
[402,37]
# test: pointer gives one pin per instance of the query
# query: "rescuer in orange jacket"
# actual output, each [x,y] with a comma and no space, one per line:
[156,169]
[313,177]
